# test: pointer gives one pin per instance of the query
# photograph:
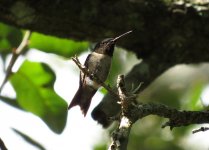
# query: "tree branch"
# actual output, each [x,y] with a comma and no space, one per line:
[2,145]
[203,129]
[15,55]
[177,118]
[140,72]
[121,135]
[131,112]
[175,29]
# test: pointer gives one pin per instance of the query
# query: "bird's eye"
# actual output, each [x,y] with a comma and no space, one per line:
[102,43]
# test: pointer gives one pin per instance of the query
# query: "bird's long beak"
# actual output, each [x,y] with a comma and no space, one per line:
[118,37]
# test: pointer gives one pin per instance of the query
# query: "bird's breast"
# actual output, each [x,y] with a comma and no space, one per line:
[98,65]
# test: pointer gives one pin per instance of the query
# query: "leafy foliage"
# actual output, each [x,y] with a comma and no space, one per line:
[33,84]
[50,44]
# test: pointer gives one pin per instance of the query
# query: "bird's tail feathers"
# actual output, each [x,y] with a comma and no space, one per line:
[83,98]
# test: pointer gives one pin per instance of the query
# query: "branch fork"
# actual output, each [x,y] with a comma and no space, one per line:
[131,111]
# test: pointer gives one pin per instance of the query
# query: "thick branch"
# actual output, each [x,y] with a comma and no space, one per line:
[121,135]
[141,72]
[177,118]
[131,112]
[168,31]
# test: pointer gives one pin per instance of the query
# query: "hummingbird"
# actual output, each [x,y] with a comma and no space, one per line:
[98,64]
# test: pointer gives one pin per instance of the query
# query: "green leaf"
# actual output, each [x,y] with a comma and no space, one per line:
[33,84]
[10,37]
[4,45]
[50,44]
[100,147]
[193,96]
[5,30]
[29,139]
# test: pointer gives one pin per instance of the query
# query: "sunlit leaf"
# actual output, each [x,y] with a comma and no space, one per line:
[10,37]
[103,90]
[51,44]
[193,96]
[33,84]
[29,139]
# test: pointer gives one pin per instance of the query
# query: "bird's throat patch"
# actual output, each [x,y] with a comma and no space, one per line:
[91,83]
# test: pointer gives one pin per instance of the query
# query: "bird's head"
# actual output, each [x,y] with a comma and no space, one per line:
[106,46]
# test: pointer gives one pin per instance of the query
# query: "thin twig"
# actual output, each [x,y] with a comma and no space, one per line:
[11,101]
[137,89]
[202,129]
[15,54]
[2,145]
[95,78]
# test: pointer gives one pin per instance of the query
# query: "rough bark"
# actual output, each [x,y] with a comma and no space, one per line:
[164,31]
